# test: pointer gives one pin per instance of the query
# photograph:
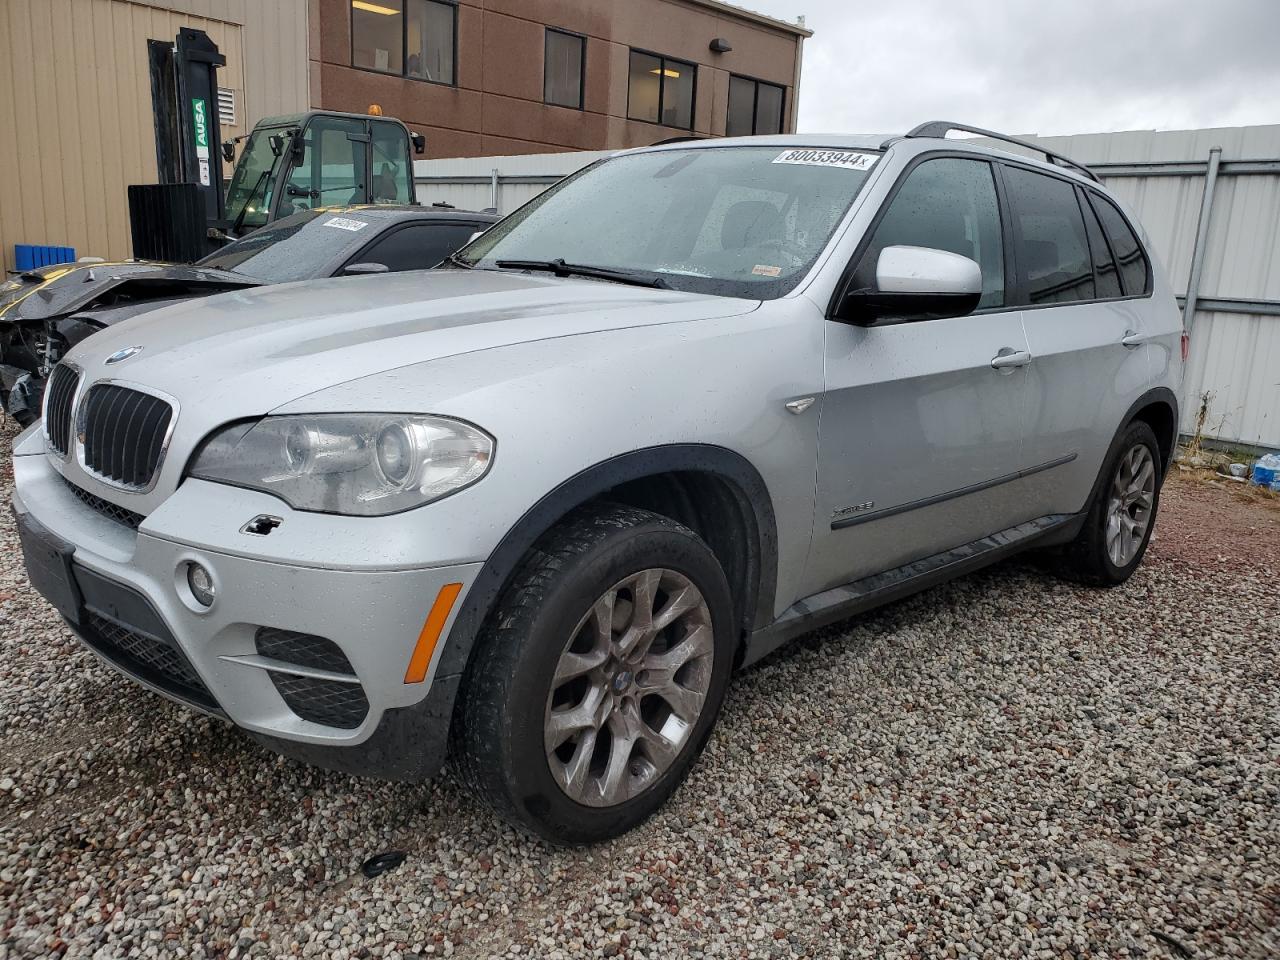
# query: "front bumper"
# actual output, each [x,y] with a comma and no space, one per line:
[128,602]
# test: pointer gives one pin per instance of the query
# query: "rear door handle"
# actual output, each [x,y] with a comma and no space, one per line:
[1009,358]
[1132,339]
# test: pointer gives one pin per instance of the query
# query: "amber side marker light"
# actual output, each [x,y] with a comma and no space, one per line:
[431,631]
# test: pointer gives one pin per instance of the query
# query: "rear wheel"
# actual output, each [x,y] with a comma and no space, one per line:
[1122,515]
[600,676]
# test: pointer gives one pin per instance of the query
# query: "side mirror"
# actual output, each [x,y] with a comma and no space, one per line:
[419,142]
[478,233]
[356,268]
[277,144]
[228,150]
[914,283]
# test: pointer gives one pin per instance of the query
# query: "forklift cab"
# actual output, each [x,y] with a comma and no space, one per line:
[318,159]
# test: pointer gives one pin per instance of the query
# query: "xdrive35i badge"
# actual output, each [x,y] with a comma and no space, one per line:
[124,353]
[842,512]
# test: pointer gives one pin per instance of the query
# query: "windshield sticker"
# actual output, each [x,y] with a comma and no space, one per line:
[344,223]
[761,270]
[845,159]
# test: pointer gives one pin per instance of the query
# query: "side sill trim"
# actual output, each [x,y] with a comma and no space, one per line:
[853,521]
[840,603]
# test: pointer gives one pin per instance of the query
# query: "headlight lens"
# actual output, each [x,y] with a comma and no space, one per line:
[368,464]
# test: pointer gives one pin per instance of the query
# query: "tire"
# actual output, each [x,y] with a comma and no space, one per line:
[523,688]
[1092,557]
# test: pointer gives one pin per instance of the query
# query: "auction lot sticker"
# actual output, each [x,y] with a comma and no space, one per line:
[344,223]
[846,159]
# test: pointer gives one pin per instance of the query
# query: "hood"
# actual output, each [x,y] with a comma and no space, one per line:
[56,291]
[243,354]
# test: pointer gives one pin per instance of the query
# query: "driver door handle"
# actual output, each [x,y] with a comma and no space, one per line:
[1009,358]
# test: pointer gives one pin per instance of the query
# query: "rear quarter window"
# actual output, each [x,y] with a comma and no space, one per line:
[1135,273]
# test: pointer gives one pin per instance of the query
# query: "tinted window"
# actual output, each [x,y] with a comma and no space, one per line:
[660,90]
[429,41]
[562,69]
[1051,252]
[947,204]
[1125,246]
[295,248]
[416,247]
[754,108]
[1105,274]
[412,38]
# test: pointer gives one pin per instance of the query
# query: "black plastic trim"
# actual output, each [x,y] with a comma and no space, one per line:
[859,596]
[856,519]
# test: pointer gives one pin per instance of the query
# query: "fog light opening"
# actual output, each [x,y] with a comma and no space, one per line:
[200,583]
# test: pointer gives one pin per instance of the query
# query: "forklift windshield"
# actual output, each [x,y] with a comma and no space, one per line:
[252,183]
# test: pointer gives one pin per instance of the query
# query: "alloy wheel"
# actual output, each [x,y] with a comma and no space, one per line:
[1129,509]
[629,688]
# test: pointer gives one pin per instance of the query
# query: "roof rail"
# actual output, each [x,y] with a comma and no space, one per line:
[940,129]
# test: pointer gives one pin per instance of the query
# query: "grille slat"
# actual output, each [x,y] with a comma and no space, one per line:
[62,391]
[124,433]
[108,509]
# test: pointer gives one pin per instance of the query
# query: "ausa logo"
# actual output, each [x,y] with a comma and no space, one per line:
[123,354]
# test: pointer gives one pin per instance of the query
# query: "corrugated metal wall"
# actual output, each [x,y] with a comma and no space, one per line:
[75,104]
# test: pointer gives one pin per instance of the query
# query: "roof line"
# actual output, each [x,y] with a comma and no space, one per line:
[729,10]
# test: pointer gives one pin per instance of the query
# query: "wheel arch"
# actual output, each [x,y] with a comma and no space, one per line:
[680,481]
[1158,408]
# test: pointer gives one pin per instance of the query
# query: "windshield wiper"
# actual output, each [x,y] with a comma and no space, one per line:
[562,269]
[457,261]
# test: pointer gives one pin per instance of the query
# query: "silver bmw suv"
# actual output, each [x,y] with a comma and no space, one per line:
[531,509]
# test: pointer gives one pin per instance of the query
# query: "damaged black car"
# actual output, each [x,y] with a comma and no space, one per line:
[46,312]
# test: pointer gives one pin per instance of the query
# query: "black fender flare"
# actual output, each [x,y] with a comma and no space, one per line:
[590,483]
[1154,395]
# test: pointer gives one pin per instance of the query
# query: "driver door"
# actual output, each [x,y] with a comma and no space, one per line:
[920,440]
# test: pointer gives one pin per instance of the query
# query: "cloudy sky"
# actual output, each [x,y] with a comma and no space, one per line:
[1036,66]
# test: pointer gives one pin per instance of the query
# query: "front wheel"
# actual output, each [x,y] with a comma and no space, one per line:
[1122,515]
[599,677]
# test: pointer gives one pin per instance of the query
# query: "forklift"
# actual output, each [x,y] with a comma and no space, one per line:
[287,164]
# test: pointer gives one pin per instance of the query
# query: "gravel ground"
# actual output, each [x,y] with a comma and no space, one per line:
[1008,766]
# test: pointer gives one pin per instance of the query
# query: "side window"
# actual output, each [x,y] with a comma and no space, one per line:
[332,168]
[416,247]
[947,204]
[1125,246]
[1048,235]
[391,165]
[1105,274]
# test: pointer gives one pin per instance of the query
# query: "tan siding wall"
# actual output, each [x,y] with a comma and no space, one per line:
[75,102]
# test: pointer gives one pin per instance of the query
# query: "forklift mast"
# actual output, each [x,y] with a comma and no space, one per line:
[184,94]
[298,162]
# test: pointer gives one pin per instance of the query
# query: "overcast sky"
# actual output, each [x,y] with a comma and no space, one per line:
[1036,66]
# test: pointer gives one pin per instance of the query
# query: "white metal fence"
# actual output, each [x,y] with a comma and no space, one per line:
[1208,199]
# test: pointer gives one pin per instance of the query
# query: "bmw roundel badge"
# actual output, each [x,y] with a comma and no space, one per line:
[124,353]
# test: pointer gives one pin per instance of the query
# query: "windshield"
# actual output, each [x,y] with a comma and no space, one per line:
[252,181]
[295,248]
[732,221]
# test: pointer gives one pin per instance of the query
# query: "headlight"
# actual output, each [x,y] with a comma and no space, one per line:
[365,464]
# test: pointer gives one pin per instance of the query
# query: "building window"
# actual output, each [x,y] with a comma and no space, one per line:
[755,107]
[410,38]
[661,90]
[564,69]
